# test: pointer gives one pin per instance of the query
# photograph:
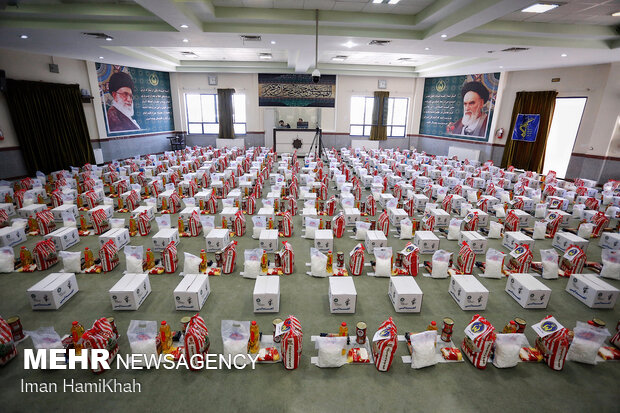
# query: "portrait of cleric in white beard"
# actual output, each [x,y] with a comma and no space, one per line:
[120,111]
[474,121]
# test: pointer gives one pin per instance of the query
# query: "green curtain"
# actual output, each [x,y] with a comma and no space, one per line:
[378,130]
[50,125]
[530,155]
[225,113]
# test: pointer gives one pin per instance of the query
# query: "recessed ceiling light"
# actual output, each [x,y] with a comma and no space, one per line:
[563,55]
[443,36]
[273,42]
[349,44]
[427,48]
[501,67]
[100,57]
[109,38]
[616,14]
[339,58]
[185,40]
[265,56]
[184,26]
[540,8]
[393,1]
[23,36]
[377,1]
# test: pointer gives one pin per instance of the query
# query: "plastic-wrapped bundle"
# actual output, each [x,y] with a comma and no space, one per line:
[423,349]
[588,339]
[360,230]
[134,256]
[507,348]
[383,266]
[7,258]
[312,224]
[495,230]
[260,223]
[550,266]
[191,264]
[441,262]
[235,337]
[406,229]
[454,229]
[540,229]
[585,230]
[494,264]
[318,266]
[611,264]
[330,351]
[252,263]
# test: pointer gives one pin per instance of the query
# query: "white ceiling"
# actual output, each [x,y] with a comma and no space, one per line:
[147,33]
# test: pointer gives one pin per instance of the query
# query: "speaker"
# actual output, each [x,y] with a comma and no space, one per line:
[2,81]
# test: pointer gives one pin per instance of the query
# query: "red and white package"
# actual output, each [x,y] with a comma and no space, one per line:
[512,222]
[174,203]
[7,344]
[133,200]
[592,203]
[383,223]
[356,259]
[45,254]
[144,224]
[483,204]
[519,259]
[194,225]
[291,339]
[291,206]
[446,204]
[229,257]
[384,344]
[615,339]
[330,206]
[471,222]
[409,206]
[196,340]
[322,192]
[428,221]
[56,197]
[108,254]
[600,221]
[553,342]
[239,224]
[100,336]
[250,205]
[45,222]
[287,224]
[573,260]
[287,258]
[170,258]
[338,224]
[465,260]
[553,220]
[411,258]
[371,205]
[478,342]
[101,223]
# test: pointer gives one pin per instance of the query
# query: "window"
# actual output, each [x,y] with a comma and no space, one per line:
[562,134]
[202,113]
[361,116]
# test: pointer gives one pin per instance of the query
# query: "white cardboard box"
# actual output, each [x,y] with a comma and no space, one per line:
[592,291]
[405,294]
[130,292]
[267,294]
[12,236]
[342,295]
[229,213]
[53,291]
[374,239]
[323,239]
[525,219]
[395,215]
[186,213]
[528,203]
[442,218]
[9,208]
[163,238]
[59,210]
[268,240]
[108,209]
[483,217]
[64,237]
[420,201]
[267,212]
[477,242]
[351,215]
[426,241]
[565,216]
[192,292]
[563,240]
[610,240]
[468,292]
[528,291]
[217,239]
[514,238]
[150,212]
[120,236]
[31,210]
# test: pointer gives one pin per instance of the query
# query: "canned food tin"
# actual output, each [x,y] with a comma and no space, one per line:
[113,324]
[373,224]
[219,261]
[185,321]
[520,324]
[340,259]
[446,332]
[360,333]
[276,339]
[16,328]
[399,259]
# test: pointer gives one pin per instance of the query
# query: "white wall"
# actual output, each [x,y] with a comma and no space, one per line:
[28,66]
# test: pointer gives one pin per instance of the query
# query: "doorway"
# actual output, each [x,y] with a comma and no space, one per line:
[563,133]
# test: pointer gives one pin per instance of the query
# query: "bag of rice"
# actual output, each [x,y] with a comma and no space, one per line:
[117,222]
[191,264]
[332,351]
[465,207]
[441,262]
[383,266]
[472,196]
[259,224]
[235,337]
[550,267]
[71,261]
[585,230]
[494,264]
[541,211]
[133,257]
[163,221]
[360,230]
[208,223]
[495,230]
[578,210]
[499,210]
[507,348]
[454,229]
[406,229]
[540,229]
[7,258]
[423,349]
[611,264]
[252,261]
[504,197]
[588,339]
[318,266]
[312,224]
[68,219]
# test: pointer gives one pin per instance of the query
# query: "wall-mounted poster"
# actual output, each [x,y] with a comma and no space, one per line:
[135,101]
[526,127]
[296,90]
[459,106]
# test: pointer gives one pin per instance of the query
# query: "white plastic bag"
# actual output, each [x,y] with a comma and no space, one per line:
[259,224]
[495,230]
[117,222]
[235,337]
[208,223]
[611,264]
[332,351]
[360,230]
[550,266]
[500,212]
[7,259]
[191,264]
[134,256]
[163,221]
[318,266]
[472,197]
[312,224]
[541,211]
[494,264]
[588,339]
[423,349]
[68,219]
[151,202]
[383,265]
[465,207]
[71,261]
[441,262]
[578,210]
[252,263]
[406,229]
[454,229]
[540,229]
[585,230]
[142,336]
[507,348]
